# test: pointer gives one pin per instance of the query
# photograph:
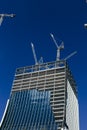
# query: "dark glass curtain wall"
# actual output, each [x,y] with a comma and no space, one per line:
[29,110]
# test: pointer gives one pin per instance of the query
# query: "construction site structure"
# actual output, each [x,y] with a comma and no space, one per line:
[43,97]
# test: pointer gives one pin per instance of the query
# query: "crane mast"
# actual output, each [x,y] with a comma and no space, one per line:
[59,48]
[34,54]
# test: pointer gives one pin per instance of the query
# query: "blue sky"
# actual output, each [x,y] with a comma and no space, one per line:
[34,21]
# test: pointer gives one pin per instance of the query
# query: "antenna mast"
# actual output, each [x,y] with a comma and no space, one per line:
[59,48]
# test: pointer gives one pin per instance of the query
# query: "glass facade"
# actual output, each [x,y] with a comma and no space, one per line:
[29,110]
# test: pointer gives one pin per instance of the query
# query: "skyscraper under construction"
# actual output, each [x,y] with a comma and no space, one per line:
[43,97]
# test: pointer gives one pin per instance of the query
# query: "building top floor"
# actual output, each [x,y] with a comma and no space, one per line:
[41,67]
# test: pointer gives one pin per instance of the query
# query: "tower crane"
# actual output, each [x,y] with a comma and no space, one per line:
[35,57]
[34,54]
[5,15]
[59,48]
